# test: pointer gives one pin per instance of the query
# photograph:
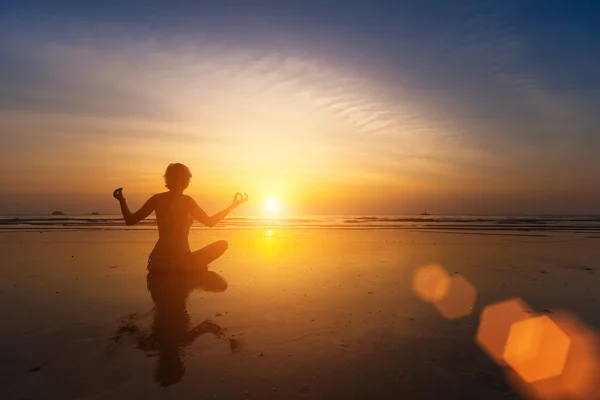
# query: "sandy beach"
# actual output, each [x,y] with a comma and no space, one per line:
[297,313]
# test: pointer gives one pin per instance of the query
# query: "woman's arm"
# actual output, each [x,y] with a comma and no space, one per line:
[205,327]
[132,219]
[212,220]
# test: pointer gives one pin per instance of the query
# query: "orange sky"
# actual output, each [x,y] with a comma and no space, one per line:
[317,131]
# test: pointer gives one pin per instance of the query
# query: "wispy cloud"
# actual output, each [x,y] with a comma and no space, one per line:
[457,100]
[214,87]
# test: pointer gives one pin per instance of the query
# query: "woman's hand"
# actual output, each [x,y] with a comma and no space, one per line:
[118,194]
[240,198]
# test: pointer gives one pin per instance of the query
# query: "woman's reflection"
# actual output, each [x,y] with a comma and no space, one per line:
[170,332]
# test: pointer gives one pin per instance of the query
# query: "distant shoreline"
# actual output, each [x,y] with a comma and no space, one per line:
[589,224]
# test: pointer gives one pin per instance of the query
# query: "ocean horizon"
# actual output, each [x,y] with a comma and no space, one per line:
[584,224]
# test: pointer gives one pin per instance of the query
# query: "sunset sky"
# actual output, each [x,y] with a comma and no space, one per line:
[331,107]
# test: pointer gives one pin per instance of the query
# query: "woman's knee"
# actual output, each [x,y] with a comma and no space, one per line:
[222,245]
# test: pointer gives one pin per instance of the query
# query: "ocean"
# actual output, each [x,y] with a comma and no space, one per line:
[534,224]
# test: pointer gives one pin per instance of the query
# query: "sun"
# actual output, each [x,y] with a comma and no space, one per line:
[272,204]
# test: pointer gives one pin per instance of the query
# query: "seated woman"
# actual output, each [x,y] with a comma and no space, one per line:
[174,211]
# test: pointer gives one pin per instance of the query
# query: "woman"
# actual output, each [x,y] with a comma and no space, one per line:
[174,211]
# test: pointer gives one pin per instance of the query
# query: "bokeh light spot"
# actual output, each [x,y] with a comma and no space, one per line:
[431,283]
[459,299]
[580,377]
[537,349]
[495,323]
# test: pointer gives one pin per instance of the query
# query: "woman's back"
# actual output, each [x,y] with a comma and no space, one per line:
[174,220]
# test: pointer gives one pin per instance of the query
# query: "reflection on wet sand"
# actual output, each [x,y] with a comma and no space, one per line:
[170,333]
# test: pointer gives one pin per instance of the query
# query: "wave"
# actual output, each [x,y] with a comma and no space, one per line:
[449,223]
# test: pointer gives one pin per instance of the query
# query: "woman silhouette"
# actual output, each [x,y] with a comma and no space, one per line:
[174,211]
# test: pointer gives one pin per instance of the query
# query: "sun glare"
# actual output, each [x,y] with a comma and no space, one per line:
[272,204]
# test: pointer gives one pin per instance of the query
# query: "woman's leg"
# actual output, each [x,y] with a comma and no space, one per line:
[208,254]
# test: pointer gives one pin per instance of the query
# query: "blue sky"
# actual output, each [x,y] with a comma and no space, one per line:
[478,106]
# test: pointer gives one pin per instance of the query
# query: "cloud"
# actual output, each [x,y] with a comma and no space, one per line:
[402,96]
[211,85]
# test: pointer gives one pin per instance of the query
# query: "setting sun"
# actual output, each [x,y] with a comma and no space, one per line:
[272,204]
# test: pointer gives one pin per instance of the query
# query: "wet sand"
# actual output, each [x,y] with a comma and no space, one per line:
[295,314]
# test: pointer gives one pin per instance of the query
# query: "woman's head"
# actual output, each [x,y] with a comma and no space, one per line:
[177,177]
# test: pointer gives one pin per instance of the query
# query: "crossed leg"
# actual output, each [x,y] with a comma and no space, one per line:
[201,258]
